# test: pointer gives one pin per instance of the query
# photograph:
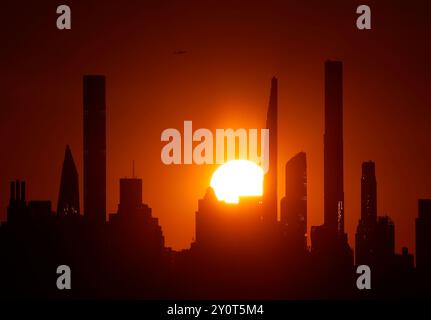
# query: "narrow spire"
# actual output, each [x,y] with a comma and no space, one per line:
[68,197]
[270,180]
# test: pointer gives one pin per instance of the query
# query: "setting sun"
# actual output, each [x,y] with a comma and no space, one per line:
[237,178]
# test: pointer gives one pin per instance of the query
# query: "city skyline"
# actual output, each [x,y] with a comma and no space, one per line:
[293,210]
[94,95]
[130,246]
[220,82]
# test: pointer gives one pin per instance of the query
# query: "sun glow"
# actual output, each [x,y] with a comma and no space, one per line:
[237,178]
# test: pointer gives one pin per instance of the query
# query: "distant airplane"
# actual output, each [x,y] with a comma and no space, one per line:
[180,52]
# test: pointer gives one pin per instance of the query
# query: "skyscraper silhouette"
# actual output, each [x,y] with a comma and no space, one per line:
[130,195]
[293,211]
[333,148]
[385,240]
[368,192]
[94,149]
[134,226]
[423,237]
[330,247]
[236,253]
[239,224]
[375,235]
[366,237]
[270,182]
[68,197]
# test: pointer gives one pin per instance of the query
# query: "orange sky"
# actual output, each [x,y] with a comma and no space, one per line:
[233,50]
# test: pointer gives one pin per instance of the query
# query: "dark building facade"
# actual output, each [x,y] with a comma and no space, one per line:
[130,195]
[136,242]
[17,204]
[293,213]
[236,253]
[134,219]
[330,247]
[423,237]
[95,149]
[219,225]
[368,193]
[366,236]
[68,196]
[21,212]
[385,239]
[333,148]
[270,180]
[375,236]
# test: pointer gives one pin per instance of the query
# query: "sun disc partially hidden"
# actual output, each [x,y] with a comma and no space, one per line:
[237,178]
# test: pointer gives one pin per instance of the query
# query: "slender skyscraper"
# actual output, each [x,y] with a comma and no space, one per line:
[333,148]
[294,205]
[270,186]
[94,149]
[366,231]
[68,196]
[329,241]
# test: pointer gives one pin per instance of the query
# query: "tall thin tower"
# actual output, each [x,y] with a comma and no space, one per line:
[333,149]
[270,187]
[329,241]
[95,148]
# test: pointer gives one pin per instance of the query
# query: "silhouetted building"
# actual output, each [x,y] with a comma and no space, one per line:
[20,212]
[68,197]
[237,254]
[134,219]
[130,195]
[366,236]
[293,213]
[404,262]
[94,149]
[40,209]
[330,248]
[423,237]
[270,180]
[332,230]
[368,193]
[225,226]
[333,148]
[16,210]
[385,239]
[375,236]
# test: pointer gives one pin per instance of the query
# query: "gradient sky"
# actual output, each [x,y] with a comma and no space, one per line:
[233,50]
